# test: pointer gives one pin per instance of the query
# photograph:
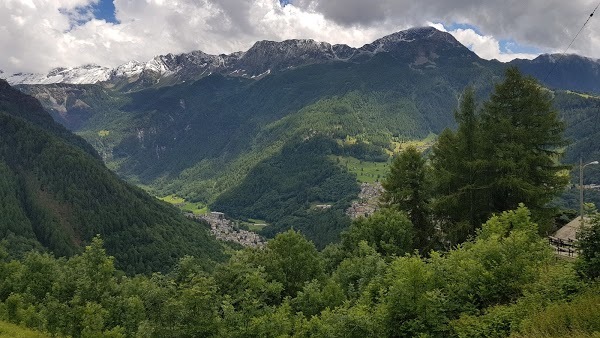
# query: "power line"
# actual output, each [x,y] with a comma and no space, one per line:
[570,44]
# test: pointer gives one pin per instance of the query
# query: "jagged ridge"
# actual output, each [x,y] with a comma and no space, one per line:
[261,59]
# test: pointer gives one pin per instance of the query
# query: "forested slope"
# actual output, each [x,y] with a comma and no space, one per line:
[56,196]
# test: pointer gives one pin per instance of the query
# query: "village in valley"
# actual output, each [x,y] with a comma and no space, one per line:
[234,231]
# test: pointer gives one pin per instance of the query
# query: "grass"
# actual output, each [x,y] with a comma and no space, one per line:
[173,199]
[366,172]
[255,225]
[8,330]
[195,208]
[421,145]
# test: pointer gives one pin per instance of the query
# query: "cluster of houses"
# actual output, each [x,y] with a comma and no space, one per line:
[368,200]
[225,230]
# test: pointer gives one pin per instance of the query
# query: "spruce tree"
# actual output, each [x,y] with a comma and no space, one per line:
[521,140]
[407,188]
[506,155]
[455,161]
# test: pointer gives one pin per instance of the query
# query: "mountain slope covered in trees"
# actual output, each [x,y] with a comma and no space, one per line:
[57,196]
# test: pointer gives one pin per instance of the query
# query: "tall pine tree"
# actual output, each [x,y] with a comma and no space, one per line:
[522,138]
[506,155]
[455,161]
[407,188]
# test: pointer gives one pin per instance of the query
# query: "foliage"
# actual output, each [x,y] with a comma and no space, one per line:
[407,188]
[577,318]
[506,155]
[523,137]
[388,231]
[502,282]
[588,241]
[581,117]
[200,139]
[56,196]
[8,330]
[282,189]
[455,162]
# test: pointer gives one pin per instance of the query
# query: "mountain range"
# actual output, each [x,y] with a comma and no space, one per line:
[265,57]
[261,59]
[273,131]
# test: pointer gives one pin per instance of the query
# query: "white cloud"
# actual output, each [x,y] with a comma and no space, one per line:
[36,35]
[544,24]
[486,46]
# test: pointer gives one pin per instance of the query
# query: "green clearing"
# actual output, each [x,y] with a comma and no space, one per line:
[196,208]
[173,199]
[421,145]
[8,330]
[256,225]
[366,172]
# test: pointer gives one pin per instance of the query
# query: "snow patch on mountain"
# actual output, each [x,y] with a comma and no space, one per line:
[77,75]
[263,58]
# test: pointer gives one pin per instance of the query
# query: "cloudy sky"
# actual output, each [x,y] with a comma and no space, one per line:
[37,35]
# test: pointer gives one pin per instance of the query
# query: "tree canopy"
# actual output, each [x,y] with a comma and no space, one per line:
[507,153]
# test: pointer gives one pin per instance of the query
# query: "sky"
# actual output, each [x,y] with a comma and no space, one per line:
[38,35]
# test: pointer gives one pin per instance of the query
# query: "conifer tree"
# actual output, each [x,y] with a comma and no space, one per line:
[455,162]
[521,140]
[506,155]
[407,188]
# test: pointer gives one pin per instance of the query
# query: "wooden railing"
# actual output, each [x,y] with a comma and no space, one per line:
[563,246]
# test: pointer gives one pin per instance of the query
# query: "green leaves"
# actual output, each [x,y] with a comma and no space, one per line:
[407,188]
[505,155]
[388,231]
[588,238]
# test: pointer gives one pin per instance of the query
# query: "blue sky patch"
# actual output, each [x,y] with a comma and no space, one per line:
[105,9]
[456,26]
[511,46]
[507,46]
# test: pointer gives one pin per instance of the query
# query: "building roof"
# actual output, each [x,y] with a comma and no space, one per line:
[569,231]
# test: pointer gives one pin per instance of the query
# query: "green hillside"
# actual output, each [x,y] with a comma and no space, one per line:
[211,140]
[581,113]
[213,137]
[476,265]
[57,196]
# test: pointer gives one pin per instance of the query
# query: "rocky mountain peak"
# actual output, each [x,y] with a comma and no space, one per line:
[419,41]
[421,45]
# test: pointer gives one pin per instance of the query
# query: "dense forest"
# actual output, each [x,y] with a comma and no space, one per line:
[57,195]
[505,281]
[202,138]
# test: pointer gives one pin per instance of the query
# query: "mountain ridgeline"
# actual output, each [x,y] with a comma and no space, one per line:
[263,58]
[57,195]
[226,130]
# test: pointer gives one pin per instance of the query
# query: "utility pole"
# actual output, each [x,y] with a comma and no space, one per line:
[581,191]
